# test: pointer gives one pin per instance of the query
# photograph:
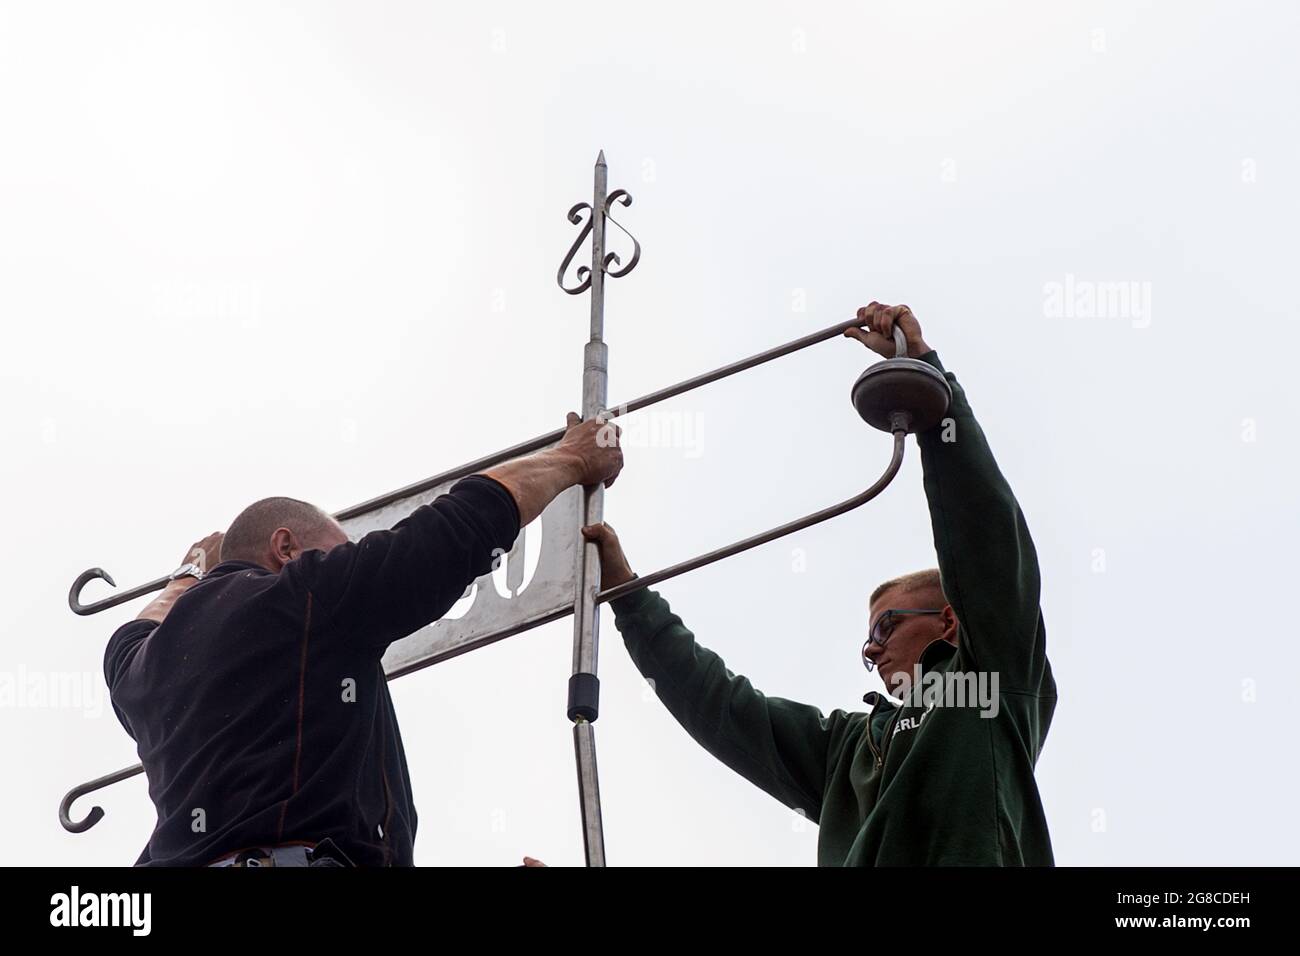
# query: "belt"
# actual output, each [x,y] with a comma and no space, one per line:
[325,853]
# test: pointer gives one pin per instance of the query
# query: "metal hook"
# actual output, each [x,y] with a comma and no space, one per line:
[96,813]
[74,594]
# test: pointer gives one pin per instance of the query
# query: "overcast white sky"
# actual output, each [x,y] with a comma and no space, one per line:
[309,249]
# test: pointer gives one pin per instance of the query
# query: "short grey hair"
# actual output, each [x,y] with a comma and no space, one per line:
[249,535]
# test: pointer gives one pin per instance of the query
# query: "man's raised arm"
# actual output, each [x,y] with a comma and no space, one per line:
[986,557]
[781,746]
[588,454]
[391,583]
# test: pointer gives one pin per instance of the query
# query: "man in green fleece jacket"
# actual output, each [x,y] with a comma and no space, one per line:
[946,777]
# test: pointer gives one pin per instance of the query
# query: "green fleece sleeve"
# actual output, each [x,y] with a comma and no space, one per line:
[778,745]
[986,558]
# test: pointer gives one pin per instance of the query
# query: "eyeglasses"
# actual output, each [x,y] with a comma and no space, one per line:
[883,629]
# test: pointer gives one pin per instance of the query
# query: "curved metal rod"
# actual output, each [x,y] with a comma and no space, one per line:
[817,517]
[584,272]
[85,577]
[96,813]
[624,197]
[506,454]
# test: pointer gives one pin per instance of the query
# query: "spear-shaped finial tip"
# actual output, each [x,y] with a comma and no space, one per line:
[600,160]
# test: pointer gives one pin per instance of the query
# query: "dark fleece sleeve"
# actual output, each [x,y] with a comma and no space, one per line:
[987,559]
[392,583]
[782,746]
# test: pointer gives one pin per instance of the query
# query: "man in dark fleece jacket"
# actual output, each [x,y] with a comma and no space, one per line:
[255,691]
[945,778]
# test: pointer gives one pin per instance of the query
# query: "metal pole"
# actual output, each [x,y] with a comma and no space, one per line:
[584,686]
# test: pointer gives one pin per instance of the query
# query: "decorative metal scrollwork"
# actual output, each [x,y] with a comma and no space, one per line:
[583,273]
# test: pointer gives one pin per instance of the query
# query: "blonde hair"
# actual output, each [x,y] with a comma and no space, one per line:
[927,581]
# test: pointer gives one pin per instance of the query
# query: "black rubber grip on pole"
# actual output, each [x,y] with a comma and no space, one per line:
[584,697]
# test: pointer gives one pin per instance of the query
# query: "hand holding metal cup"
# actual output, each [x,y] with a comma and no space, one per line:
[901,391]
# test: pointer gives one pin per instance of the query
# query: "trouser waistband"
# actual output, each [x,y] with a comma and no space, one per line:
[325,853]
